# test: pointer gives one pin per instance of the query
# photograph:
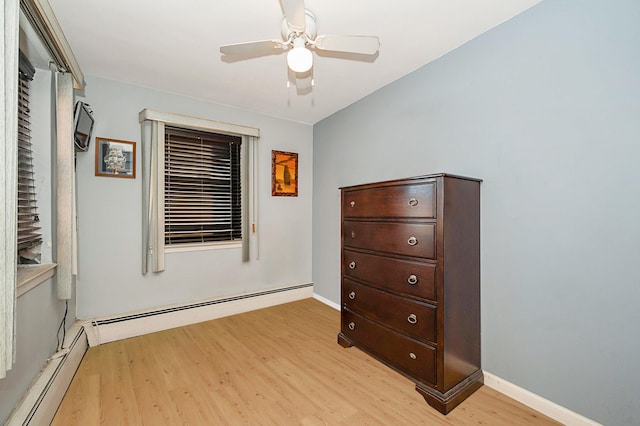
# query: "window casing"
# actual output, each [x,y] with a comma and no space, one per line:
[153,124]
[202,187]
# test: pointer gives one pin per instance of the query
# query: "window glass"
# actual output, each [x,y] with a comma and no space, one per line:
[202,187]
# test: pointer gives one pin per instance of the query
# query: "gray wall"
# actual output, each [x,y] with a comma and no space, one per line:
[110,216]
[545,109]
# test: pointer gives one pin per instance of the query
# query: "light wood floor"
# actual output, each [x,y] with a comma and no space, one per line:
[274,366]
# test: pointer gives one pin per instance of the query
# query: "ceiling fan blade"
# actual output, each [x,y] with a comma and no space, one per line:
[294,13]
[250,47]
[366,45]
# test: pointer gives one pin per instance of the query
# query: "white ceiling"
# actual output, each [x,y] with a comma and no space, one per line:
[173,46]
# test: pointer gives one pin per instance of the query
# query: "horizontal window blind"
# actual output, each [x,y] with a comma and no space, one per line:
[202,189]
[29,237]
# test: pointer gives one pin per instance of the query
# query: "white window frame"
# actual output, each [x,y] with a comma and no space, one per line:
[68,76]
[153,133]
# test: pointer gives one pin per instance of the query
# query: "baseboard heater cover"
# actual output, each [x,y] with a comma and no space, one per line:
[105,330]
[40,403]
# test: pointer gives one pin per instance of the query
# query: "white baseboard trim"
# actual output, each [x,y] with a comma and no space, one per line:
[538,403]
[326,301]
[105,330]
[40,403]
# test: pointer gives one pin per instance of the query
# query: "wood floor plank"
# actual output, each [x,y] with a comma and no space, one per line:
[275,366]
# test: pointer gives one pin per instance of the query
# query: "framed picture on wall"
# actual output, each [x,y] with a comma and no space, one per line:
[284,173]
[115,158]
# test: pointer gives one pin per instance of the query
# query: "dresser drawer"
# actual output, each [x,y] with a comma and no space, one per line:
[408,239]
[391,201]
[408,278]
[410,356]
[416,319]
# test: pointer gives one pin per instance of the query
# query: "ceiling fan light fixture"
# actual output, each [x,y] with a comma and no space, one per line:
[299,39]
[299,59]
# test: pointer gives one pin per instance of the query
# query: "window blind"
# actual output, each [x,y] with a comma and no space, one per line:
[202,190]
[29,237]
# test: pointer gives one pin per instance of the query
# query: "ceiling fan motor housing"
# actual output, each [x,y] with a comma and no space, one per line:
[311,28]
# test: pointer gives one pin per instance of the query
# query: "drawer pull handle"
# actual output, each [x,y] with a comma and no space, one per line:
[352,265]
[413,280]
[413,202]
[412,241]
[412,355]
[352,326]
[412,319]
[352,295]
[352,204]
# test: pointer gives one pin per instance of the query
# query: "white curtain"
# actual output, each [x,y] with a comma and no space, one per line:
[255,193]
[65,192]
[152,153]
[250,197]
[8,181]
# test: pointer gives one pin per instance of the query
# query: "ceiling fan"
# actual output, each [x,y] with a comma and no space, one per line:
[299,37]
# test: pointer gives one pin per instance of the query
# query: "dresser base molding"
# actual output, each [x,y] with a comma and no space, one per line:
[445,402]
[344,341]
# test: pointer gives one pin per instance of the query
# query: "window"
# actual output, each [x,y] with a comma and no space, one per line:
[202,187]
[29,237]
[199,180]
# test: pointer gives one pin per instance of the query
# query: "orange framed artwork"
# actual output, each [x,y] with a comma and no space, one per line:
[284,173]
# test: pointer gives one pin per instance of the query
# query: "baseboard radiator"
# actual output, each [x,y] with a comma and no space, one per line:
[41,401]
[107,330]
[39,405]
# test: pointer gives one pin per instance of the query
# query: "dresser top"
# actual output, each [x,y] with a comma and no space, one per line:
[409,180]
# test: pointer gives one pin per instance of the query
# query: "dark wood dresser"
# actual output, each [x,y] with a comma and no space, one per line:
[411,281]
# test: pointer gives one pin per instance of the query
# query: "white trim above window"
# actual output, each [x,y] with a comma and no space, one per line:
[153,183]
[197,123]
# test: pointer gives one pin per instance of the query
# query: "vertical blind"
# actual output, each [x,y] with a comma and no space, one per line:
[202,190]
[29,237]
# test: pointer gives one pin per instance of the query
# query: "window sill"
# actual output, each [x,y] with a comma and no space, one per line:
[29,277]
[199,247]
